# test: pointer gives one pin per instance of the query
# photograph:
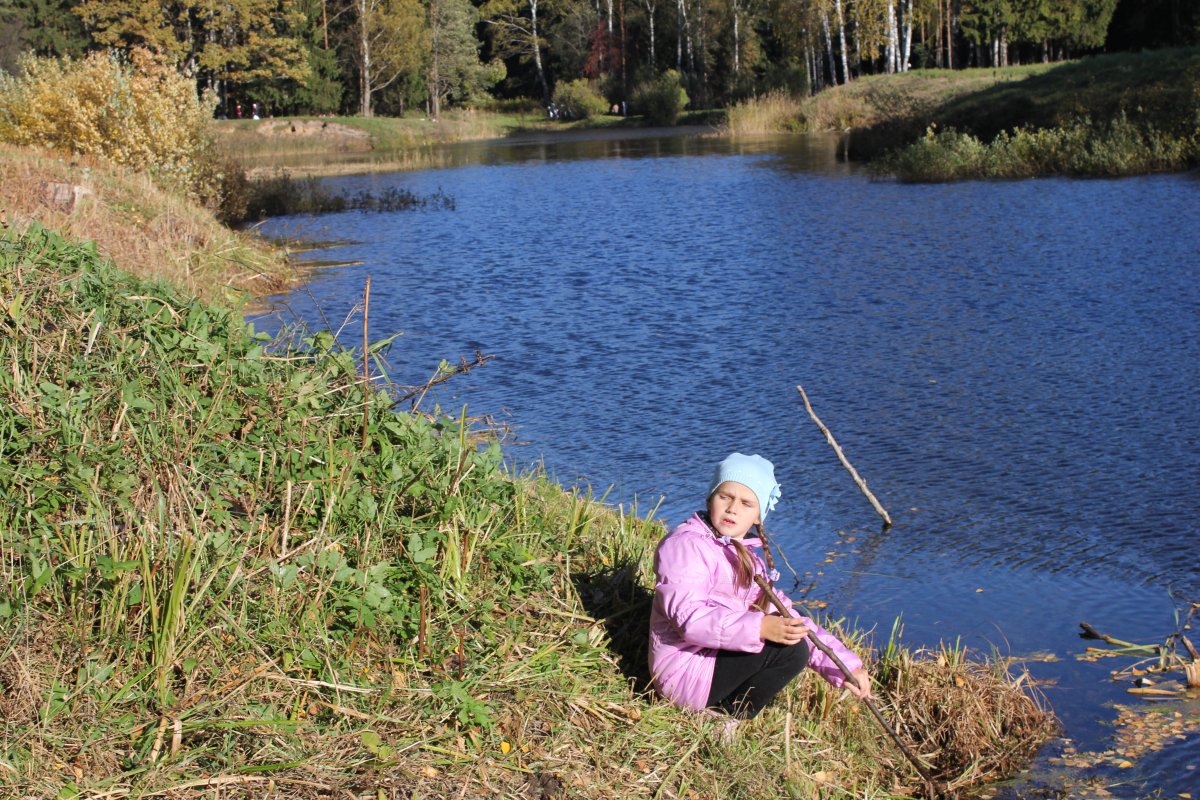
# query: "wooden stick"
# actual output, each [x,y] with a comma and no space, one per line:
[366,377]
[934,788]
[862,484]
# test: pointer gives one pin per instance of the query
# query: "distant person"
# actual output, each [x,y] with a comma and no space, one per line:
[715,644]
[239,110]
[254,110]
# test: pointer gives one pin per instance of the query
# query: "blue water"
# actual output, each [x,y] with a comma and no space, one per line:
[1012,366]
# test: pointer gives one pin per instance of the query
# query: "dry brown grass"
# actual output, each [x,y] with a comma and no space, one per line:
[970,719]
[143,229]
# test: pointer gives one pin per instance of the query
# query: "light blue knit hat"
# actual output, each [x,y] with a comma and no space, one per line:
[755,473]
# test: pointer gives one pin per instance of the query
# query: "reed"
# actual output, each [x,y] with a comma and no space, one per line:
[775,112]
[208,585]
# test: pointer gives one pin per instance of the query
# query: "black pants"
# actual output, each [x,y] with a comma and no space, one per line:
[743,683]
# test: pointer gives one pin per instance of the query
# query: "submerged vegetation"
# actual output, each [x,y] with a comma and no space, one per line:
[281,194]
[229,563]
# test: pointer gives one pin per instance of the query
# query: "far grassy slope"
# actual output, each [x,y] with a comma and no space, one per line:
[145,229]
[1105,115]
[1143,107]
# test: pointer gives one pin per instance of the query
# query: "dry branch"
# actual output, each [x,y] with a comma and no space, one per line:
[862,484]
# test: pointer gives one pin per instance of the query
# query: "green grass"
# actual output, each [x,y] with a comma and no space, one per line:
[1123,114]
[227,565]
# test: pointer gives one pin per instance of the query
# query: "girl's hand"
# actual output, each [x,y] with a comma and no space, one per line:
[863,690]
[783,630]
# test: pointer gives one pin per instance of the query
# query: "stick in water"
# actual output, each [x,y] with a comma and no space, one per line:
[862,484]
[934,789]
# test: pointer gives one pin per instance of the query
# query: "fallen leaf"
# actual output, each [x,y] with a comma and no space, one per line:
[430,772]
[505,747]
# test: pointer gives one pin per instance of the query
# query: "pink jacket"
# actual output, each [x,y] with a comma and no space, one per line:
[698,609]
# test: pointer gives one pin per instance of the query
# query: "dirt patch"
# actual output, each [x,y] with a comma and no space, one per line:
[334,133]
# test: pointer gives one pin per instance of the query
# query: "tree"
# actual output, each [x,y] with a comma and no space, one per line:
[515,32]
[455,72]
[45,27]
[393,40]
[235,40]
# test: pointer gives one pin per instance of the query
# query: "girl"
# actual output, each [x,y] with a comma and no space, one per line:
[714,643]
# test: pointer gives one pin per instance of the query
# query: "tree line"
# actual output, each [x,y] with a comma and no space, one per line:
[390,56]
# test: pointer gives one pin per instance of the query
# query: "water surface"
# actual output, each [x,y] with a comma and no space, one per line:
[1012,366]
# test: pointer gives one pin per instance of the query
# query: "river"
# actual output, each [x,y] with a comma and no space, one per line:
[1013,367]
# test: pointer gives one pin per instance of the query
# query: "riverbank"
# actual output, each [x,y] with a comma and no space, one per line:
[1110,115]
[145,229]
[324,146]
[233,568]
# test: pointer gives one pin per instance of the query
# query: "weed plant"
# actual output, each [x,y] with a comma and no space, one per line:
[230,566]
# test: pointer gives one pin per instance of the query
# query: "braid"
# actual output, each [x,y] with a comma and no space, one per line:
[763,601]
[745,565]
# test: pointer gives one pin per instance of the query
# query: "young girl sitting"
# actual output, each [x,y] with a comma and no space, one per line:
[714,643]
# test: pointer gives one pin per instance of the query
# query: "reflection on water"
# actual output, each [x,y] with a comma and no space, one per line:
[1012,366]
[541,147]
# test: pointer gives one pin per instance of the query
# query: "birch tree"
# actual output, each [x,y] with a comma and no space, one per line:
[515,31]
[392,40]
[651,8]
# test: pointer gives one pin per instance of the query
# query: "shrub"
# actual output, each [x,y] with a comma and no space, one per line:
[660,100]
[136,111]
[578,99]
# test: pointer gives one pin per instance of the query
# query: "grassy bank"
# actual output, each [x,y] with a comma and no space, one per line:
[142,227]
[1122,114]
[335,145]
[868,101]
[250,140]
[228,568]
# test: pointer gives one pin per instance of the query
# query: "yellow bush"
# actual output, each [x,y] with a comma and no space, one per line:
[133,110]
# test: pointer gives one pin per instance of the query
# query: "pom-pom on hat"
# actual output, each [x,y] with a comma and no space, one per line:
[755,473]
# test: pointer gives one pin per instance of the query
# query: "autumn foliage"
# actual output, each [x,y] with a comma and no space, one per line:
[133,110]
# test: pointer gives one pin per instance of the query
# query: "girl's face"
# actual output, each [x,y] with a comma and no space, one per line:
[733,509]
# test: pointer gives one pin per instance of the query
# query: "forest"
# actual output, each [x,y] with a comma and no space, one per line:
[392,57]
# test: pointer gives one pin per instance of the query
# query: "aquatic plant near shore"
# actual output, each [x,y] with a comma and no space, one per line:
[774,112]
[282,194]
[1079,147]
